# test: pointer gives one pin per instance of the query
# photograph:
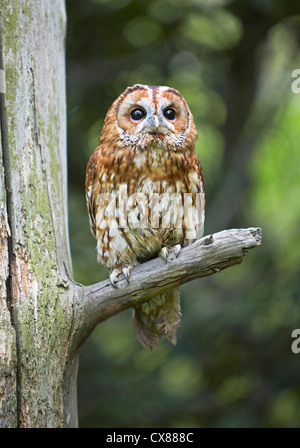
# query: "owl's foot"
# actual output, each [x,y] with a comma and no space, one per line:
[113,276]
[126,272]
[176,249]
[165,252]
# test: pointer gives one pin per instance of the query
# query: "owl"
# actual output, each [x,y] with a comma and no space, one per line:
[145,194]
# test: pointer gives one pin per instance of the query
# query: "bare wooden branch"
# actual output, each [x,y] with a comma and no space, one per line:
[207,256]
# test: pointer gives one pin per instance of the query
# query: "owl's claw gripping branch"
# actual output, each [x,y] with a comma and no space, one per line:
[176,249]
[126,272]
[164,253]
[113,276]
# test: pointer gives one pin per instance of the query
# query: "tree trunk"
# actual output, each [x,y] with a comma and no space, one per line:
[44,315]
[37,377]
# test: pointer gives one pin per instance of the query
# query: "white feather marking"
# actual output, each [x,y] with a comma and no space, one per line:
[140,160]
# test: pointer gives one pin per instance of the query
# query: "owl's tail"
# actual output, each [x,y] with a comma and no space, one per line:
[160,317]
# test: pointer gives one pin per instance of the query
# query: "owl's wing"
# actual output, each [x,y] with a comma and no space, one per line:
[92,187]
[113,244]
[195,204]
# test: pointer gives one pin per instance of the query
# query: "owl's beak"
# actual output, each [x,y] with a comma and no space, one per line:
[154,123]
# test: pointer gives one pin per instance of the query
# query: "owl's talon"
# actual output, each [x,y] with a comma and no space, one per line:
[127,278]
[164,253]
[113,277]
[176,249]
[116,272]
[126,272]
[113,282]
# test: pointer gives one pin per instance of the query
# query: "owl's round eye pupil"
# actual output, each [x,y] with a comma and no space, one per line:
[170,114]
[138,113]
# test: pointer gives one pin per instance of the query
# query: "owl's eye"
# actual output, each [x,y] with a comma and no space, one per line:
[137,114]
[170,113]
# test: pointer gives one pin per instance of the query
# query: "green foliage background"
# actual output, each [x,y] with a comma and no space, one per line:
[232,60]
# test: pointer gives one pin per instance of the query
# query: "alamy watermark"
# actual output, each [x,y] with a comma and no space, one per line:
[157,210]
[296,84]
[296,343]
[2,81]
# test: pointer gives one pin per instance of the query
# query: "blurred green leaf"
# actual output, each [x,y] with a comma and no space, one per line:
[141,32]
[217,31]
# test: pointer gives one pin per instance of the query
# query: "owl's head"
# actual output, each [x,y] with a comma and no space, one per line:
[153,115]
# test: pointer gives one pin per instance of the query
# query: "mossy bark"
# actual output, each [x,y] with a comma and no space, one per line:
[37,375]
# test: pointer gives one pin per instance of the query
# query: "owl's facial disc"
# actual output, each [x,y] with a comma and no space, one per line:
[149,114]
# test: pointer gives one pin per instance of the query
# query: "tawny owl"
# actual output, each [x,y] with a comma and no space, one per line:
[145,194]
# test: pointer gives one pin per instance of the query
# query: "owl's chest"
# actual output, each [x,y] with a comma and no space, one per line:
[156,171]
[150,171]
[151,159]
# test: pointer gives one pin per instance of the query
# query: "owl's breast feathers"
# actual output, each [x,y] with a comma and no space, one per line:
[148,172]
[110,167]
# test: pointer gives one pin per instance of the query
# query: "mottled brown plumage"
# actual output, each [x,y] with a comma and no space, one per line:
[145,193]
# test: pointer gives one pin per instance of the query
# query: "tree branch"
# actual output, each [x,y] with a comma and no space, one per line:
[205,257]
